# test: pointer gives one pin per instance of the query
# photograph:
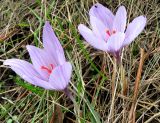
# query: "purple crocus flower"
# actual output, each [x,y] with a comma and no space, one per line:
[109,31]
[49,68]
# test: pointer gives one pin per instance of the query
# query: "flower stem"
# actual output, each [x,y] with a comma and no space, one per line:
[113,89]
[76,108]
[114,76]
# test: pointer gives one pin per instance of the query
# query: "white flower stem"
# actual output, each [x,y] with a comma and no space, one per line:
[114,88]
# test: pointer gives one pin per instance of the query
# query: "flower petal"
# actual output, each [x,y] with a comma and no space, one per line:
[26,70]
[99,29]
[102,13]
[134,29]
[114,43]
[39,82]
[119,23]
[22,68]
[60,76]
[52,44]
[40,58]
[91,38]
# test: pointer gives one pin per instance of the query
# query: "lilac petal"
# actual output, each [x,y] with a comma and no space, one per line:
[99,29]
[22,68]
[59,57]
[134,29]
[102,13]
[52,44]
[39,82]
[60,76]
[40,58]
[27,72]
[91,38]
[119,23]
[114,43]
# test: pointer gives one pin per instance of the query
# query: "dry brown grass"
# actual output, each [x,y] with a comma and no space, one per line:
[21,23]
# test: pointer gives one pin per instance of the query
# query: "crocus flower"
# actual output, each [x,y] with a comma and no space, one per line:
[49,68]
[109,32]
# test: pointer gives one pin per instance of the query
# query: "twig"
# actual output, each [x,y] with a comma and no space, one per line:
[154,116]
[136,88]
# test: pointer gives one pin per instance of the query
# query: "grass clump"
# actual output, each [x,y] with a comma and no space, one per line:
[21,23]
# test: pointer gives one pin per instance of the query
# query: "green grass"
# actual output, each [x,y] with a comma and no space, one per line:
[21,23]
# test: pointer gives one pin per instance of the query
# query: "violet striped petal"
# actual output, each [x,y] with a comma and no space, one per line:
[102,13]
[60,76]
[26,71]
[99,29]
[119,23]
[39,82]
[134,29]
[22,67]
[52,44]
[88,35]
[41,59]
[115,42]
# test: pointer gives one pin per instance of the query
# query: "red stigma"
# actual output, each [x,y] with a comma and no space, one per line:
[52,66]
[48,69]
[108,32]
